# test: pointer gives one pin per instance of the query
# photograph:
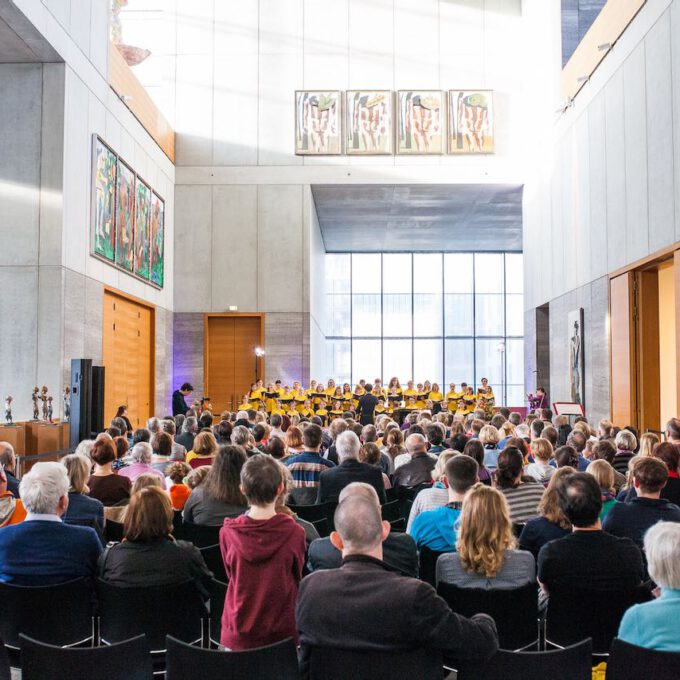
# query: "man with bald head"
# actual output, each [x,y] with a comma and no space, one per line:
[364,605]
[399,549]
[9,462]
[419,469]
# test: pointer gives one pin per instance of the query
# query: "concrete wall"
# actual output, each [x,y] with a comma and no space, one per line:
[608,191]
[317,300]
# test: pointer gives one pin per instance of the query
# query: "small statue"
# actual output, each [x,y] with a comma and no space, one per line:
[49,408]
[67,404]
[36,397]
[8,410]
[43,398]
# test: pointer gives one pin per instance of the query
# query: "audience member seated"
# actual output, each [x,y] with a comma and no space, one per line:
[122,446]
[419,469]
[364,605]
[435,496]
[161,445]
[141,456]
[551,522]
[669,454]
[604,474]
[264,554]
[349,469]
[400,553]
[140,435]
[293,441]
[435,436]
[486,556]
[577,440]
[80,506]
[9,462]
[219,496]
[311,534]
[189,430]
[148,554]
[276,448]
[541,470]
[175,482]
[566,456]
[633,518]
[522,493]
[654,624]
[119,512]
[489,438]
[104,483]
[307,467]
[169,427]
[204,450]
[12,510]
[370,454]
[436,529]
[588,557]
[42,550]
[626,443]
[475,449]
[241,436]
[605,450]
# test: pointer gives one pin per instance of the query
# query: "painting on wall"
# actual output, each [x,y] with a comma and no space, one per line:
[318,122]
[157,219]
[103,201]
[576,363]
[142,236]
[368,124]
[471,121]
[125,217]
[420,122]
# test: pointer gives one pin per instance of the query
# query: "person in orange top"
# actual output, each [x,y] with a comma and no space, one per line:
[12,510]
[179,491]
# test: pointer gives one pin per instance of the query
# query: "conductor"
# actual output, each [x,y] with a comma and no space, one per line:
[366,406]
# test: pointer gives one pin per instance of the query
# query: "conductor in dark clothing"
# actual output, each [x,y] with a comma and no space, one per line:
[366,407]
[334,480]
[364,606]
[179,406]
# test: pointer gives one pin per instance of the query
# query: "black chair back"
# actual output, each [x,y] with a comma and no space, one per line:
[576,613]
[407,494]
[572,663]
[60,614]
[5,672]
[392,513]
[155,611]
[630,662]
[218,593]
[128,660]
[274,661]
[113,531]
[427,565]
[201,535]
[326,663]
[316,514]
[213,559]
[515,610]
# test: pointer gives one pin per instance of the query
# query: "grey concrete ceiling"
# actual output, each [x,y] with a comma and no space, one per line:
[419,217]
[20,41]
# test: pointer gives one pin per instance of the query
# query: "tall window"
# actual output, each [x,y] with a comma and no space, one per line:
[443,317]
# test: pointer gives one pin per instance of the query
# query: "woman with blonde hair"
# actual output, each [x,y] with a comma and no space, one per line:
[81,508]
[551,523]
[485,554]
[204,450]
[647,443]
[439,470]
[604,473]
[489,437]
[540,469]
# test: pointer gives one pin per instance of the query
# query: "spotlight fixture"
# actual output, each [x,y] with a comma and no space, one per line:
[259,352]
[604,47]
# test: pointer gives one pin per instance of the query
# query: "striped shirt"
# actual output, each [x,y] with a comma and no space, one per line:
[523,501]
[427,499]
[519,568]
[306,467]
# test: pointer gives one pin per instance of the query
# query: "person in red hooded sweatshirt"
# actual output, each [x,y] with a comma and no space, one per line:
[263,553]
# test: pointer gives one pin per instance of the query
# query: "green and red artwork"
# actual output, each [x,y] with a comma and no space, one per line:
[142,236]
[125,217]
[103,204]
[157,239]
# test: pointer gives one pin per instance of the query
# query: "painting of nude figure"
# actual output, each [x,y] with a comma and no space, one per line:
[420,122]
[471,121]
[369,122]
[318,123]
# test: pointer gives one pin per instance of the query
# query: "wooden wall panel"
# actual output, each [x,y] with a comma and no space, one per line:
[623,407]
[647,351]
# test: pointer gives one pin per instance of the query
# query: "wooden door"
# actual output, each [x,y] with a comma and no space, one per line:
[230,361]
[128,353]
[622,338]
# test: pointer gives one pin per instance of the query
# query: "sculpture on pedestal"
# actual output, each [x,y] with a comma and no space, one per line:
[43,398]
[67,404]
[8,410]
[35,398]
[50,410]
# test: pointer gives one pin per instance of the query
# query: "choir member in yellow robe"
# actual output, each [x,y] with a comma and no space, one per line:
[436,396]
[394,382]
[410,390]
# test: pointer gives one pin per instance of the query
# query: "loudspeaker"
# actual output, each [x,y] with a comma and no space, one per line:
[97,409]
[81,401]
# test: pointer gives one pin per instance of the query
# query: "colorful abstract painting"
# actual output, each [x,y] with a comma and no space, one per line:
[103,201]
[142,236]
[471,121]
[125,217]
[369,122]
[157,239]
[318,123]
[420,122]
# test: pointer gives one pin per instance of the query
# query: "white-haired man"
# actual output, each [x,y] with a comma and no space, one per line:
[42,550]
[350,469]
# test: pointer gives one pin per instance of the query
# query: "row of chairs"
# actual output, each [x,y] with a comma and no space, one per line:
[131,660]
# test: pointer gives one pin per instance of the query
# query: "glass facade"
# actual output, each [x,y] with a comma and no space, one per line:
[443,317]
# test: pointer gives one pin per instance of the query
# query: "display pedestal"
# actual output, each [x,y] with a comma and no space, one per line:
[16,436]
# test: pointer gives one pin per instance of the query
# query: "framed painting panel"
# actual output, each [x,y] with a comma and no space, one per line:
[420,122]
[103,240]
[125,217]
[369,122]
[157,219]
[471,121]
[318,122]
[142,224]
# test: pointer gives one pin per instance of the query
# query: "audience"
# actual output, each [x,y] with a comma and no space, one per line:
[485,554]
[604,474]
[436,529]
[220,495]
[541,470]
[106,485]
[189,430]
[307,467]
[523,494]
[626,443]
[203,451]
[141,456]
[8,461]
[42,550]
[264,554]
[81,508]
[179,491]
[418,470]
[12,510]
[364,605]
[488,436]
